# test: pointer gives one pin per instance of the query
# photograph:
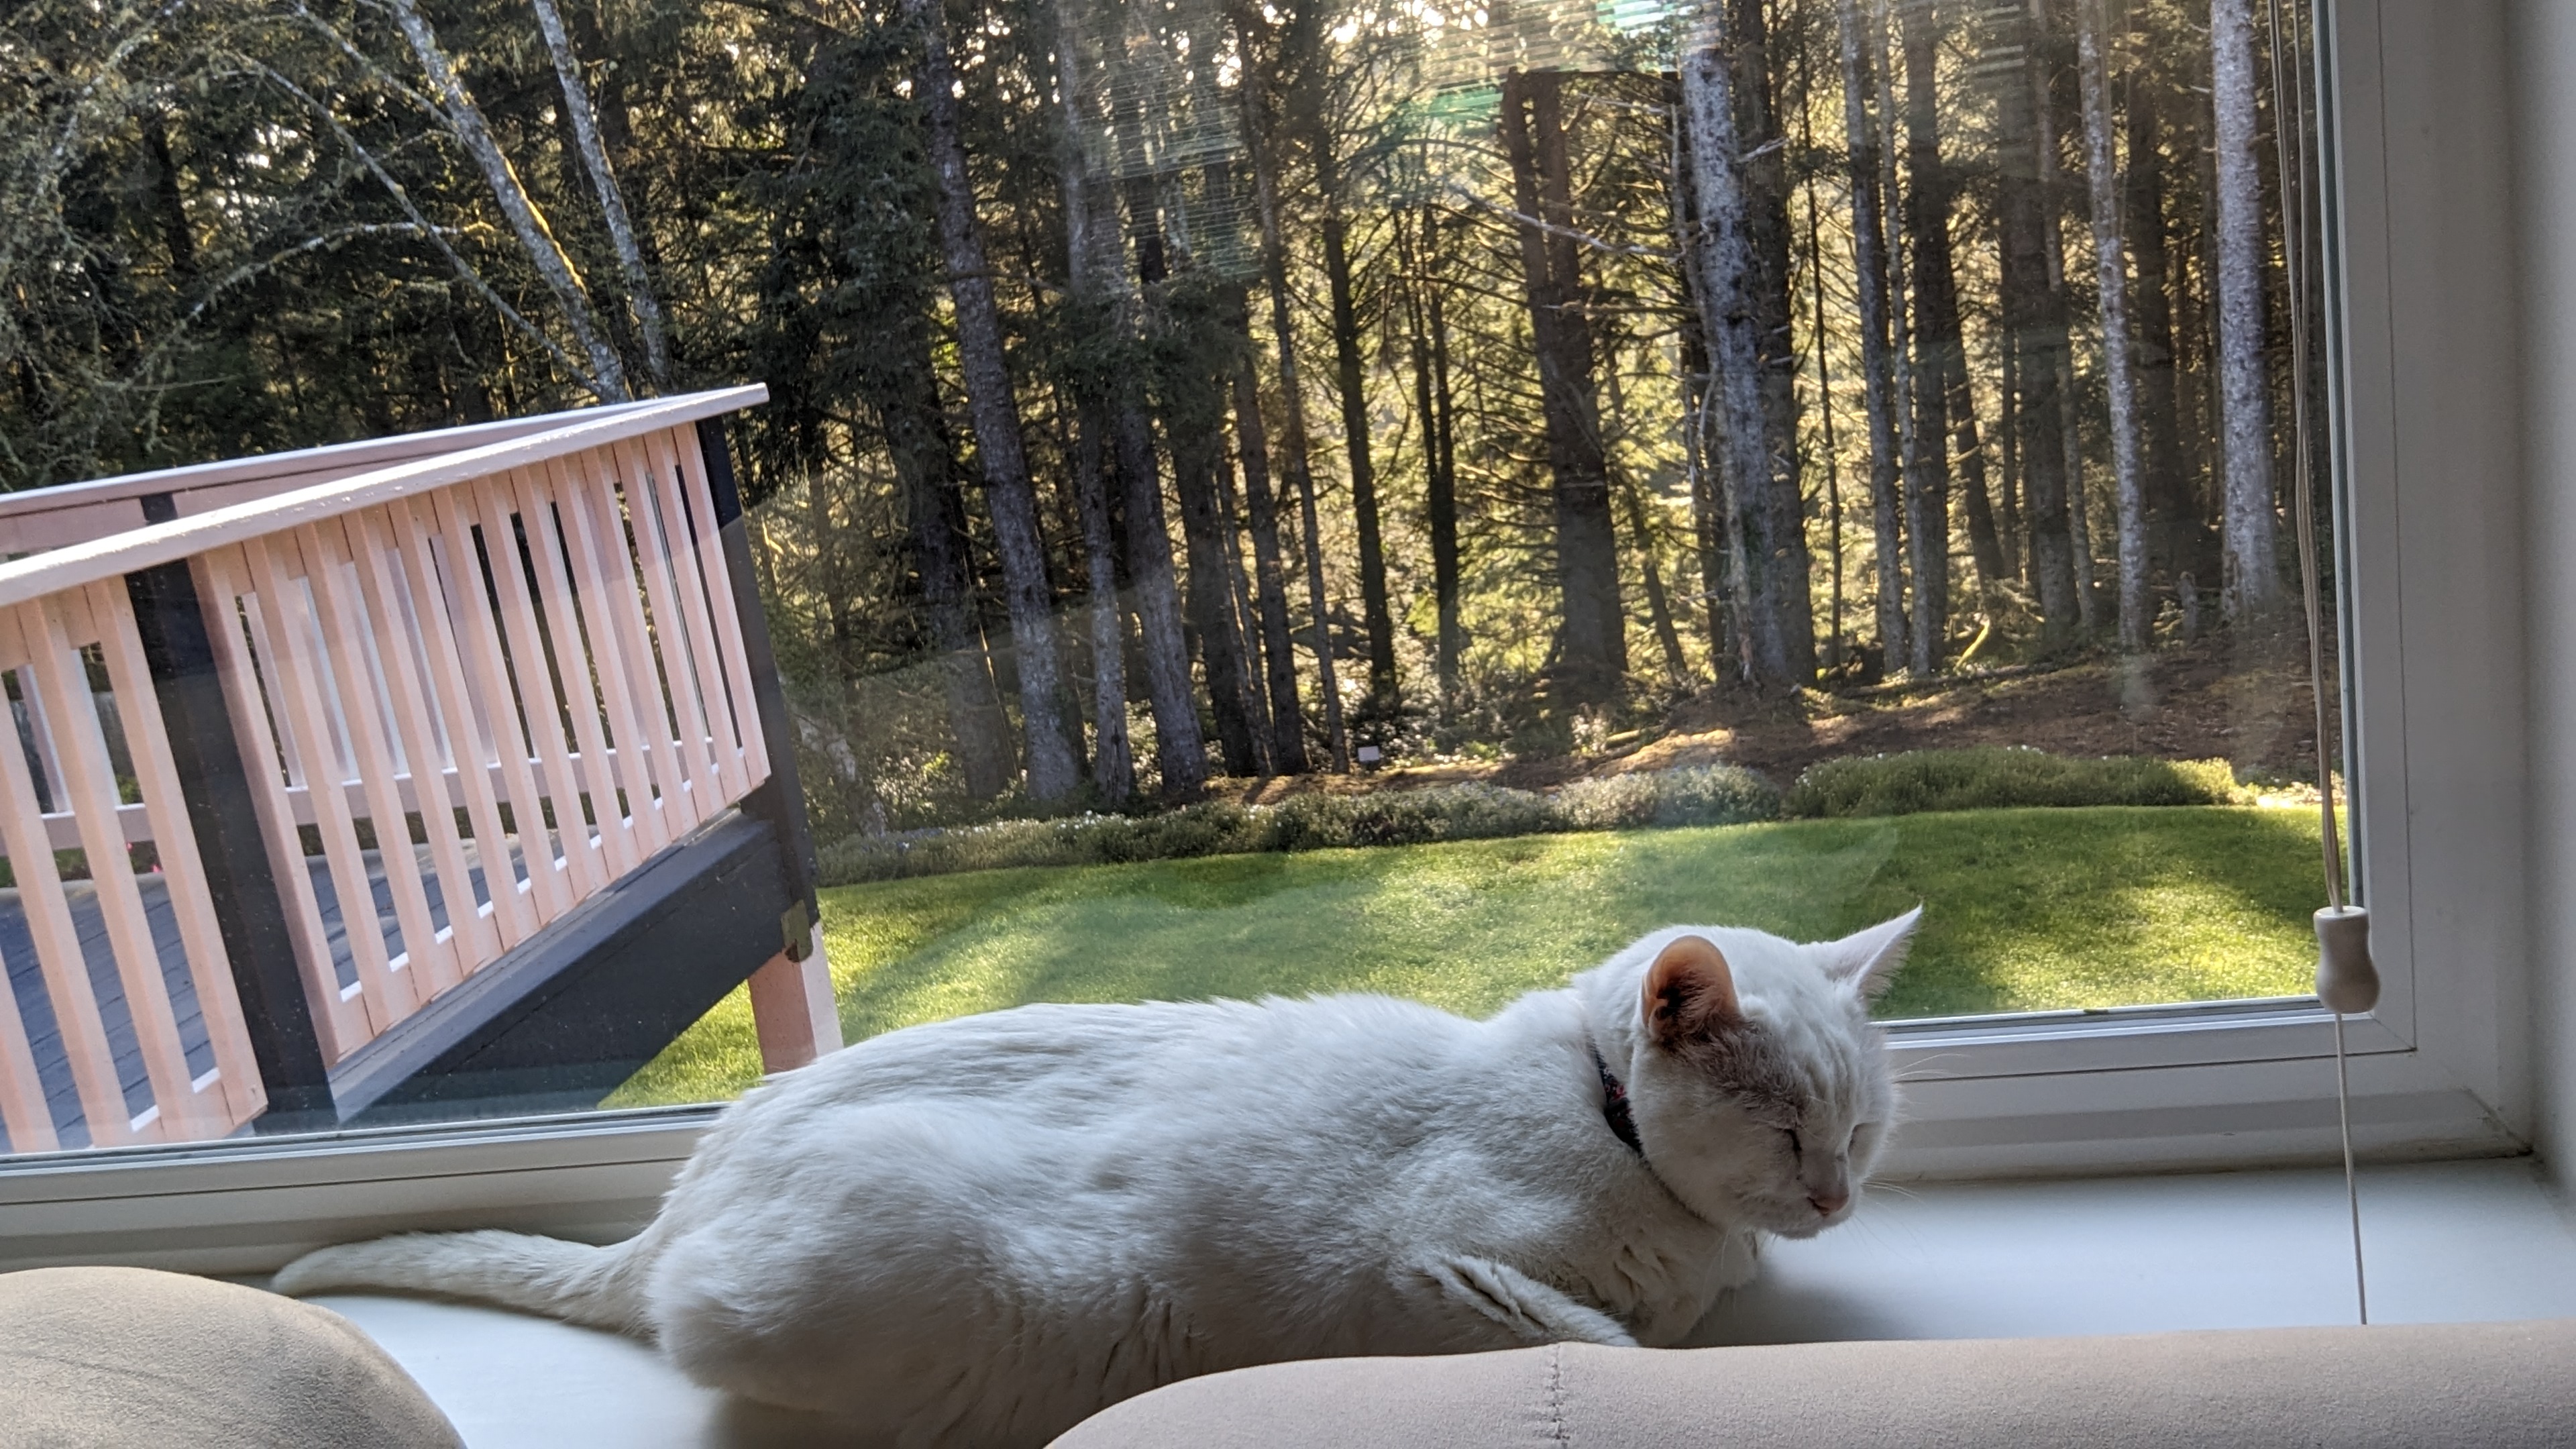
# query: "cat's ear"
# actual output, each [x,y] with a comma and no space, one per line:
[1869,959]
[1690,991]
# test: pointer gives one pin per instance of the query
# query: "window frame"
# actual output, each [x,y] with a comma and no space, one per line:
[2425,421]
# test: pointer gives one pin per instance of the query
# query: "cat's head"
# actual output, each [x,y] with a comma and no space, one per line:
[1761,1091]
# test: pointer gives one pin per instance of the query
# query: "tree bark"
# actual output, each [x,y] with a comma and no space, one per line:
[1877,358]
[2039,56]
[1194,422]
[1734,282]
[925,465]
[1270,579]
[2034,324]
[1592,645]
[1113,750]
[2137,612]
[1427,331]
[1945,405]
[2252,580]
[1274,255]
[1376,618]
[612,204]
[1714,533]
[1008,494]
[2171,529]
[527,224]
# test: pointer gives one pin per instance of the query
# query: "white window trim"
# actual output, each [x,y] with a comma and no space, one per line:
[2423,278]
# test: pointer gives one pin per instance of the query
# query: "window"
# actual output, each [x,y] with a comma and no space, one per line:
[1661,416]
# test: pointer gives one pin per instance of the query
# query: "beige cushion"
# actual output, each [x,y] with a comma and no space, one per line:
[120,1358]
[2494,1384]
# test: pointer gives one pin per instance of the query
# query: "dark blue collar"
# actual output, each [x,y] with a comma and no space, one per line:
[1614,1104]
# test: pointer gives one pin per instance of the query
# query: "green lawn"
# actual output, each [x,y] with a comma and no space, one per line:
[2025,909]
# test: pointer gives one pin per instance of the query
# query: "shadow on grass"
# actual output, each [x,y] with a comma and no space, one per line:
[2028,909]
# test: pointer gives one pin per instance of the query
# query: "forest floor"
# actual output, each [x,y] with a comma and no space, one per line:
[2027,910]
[2246,701]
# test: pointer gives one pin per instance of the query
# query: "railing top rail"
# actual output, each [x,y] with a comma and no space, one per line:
[160,543]
[340,459]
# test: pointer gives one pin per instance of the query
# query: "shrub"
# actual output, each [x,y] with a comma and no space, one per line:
[1994,778]
[1689,795]
[1692,795]
[1449,812]
[1700,795]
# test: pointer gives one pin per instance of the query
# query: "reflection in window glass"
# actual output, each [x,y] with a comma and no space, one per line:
[1253,499]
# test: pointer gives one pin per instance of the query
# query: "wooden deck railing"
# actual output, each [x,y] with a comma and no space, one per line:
[470,689]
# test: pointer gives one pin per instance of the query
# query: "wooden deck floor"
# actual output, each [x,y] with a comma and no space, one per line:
[26,981]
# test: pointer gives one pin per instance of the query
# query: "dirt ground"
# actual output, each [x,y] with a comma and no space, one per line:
[2246,701]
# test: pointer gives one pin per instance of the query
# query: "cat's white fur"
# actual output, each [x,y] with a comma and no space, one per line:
[983,1230]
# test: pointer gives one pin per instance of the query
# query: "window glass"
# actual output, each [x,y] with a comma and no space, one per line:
[1252,498]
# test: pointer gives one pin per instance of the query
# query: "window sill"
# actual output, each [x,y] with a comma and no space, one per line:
[2449,1242]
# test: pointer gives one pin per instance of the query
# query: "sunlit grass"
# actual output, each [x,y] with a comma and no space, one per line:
[2026,910]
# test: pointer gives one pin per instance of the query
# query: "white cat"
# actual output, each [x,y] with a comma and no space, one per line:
[983,1230]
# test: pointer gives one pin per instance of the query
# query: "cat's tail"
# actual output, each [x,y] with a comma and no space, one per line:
[578,1283]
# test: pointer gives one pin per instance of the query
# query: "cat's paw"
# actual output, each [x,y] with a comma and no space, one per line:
[1531,1311]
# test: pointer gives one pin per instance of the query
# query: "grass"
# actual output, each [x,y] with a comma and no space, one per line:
[2027,909]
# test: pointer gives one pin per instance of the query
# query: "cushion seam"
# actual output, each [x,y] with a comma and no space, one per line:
[1556,1395]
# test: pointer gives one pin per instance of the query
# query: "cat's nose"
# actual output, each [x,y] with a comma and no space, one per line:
[1827,1204]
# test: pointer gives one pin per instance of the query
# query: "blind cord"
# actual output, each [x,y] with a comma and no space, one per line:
[2345,978]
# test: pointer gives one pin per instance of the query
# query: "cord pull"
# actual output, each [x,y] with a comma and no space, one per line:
[2346,981]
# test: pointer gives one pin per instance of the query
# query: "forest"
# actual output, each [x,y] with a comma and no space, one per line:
[1173,390]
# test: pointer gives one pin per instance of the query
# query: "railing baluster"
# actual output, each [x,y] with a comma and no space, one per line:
[432,964]
[299,695]
[513,917]
[539,704]
[478,641]
[53,631]
[24,1113]
[573,665]
[682,556]
[340,1018]
[612,609]
[671,630]
[59,958]
[174,839]
[727,642]
[473,939]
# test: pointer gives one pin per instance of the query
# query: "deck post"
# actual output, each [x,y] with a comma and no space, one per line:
[791,996]
[170,619]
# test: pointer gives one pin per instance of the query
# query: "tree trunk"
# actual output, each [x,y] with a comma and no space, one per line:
[1877,359]
[2137,610]
[1713,522]
[1734,283]
[1427,331]
[1194,424]
[2170,526]
[1274,255]
[2034,323]
[1592,645]
[1376,618]
[1113,750]
[536,240]
[612,204]
[2039,57]
[1764,163]
[1270,580]
[2252,585]
[1008,495]
[1443,503]
[925,465]
[1945,406]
